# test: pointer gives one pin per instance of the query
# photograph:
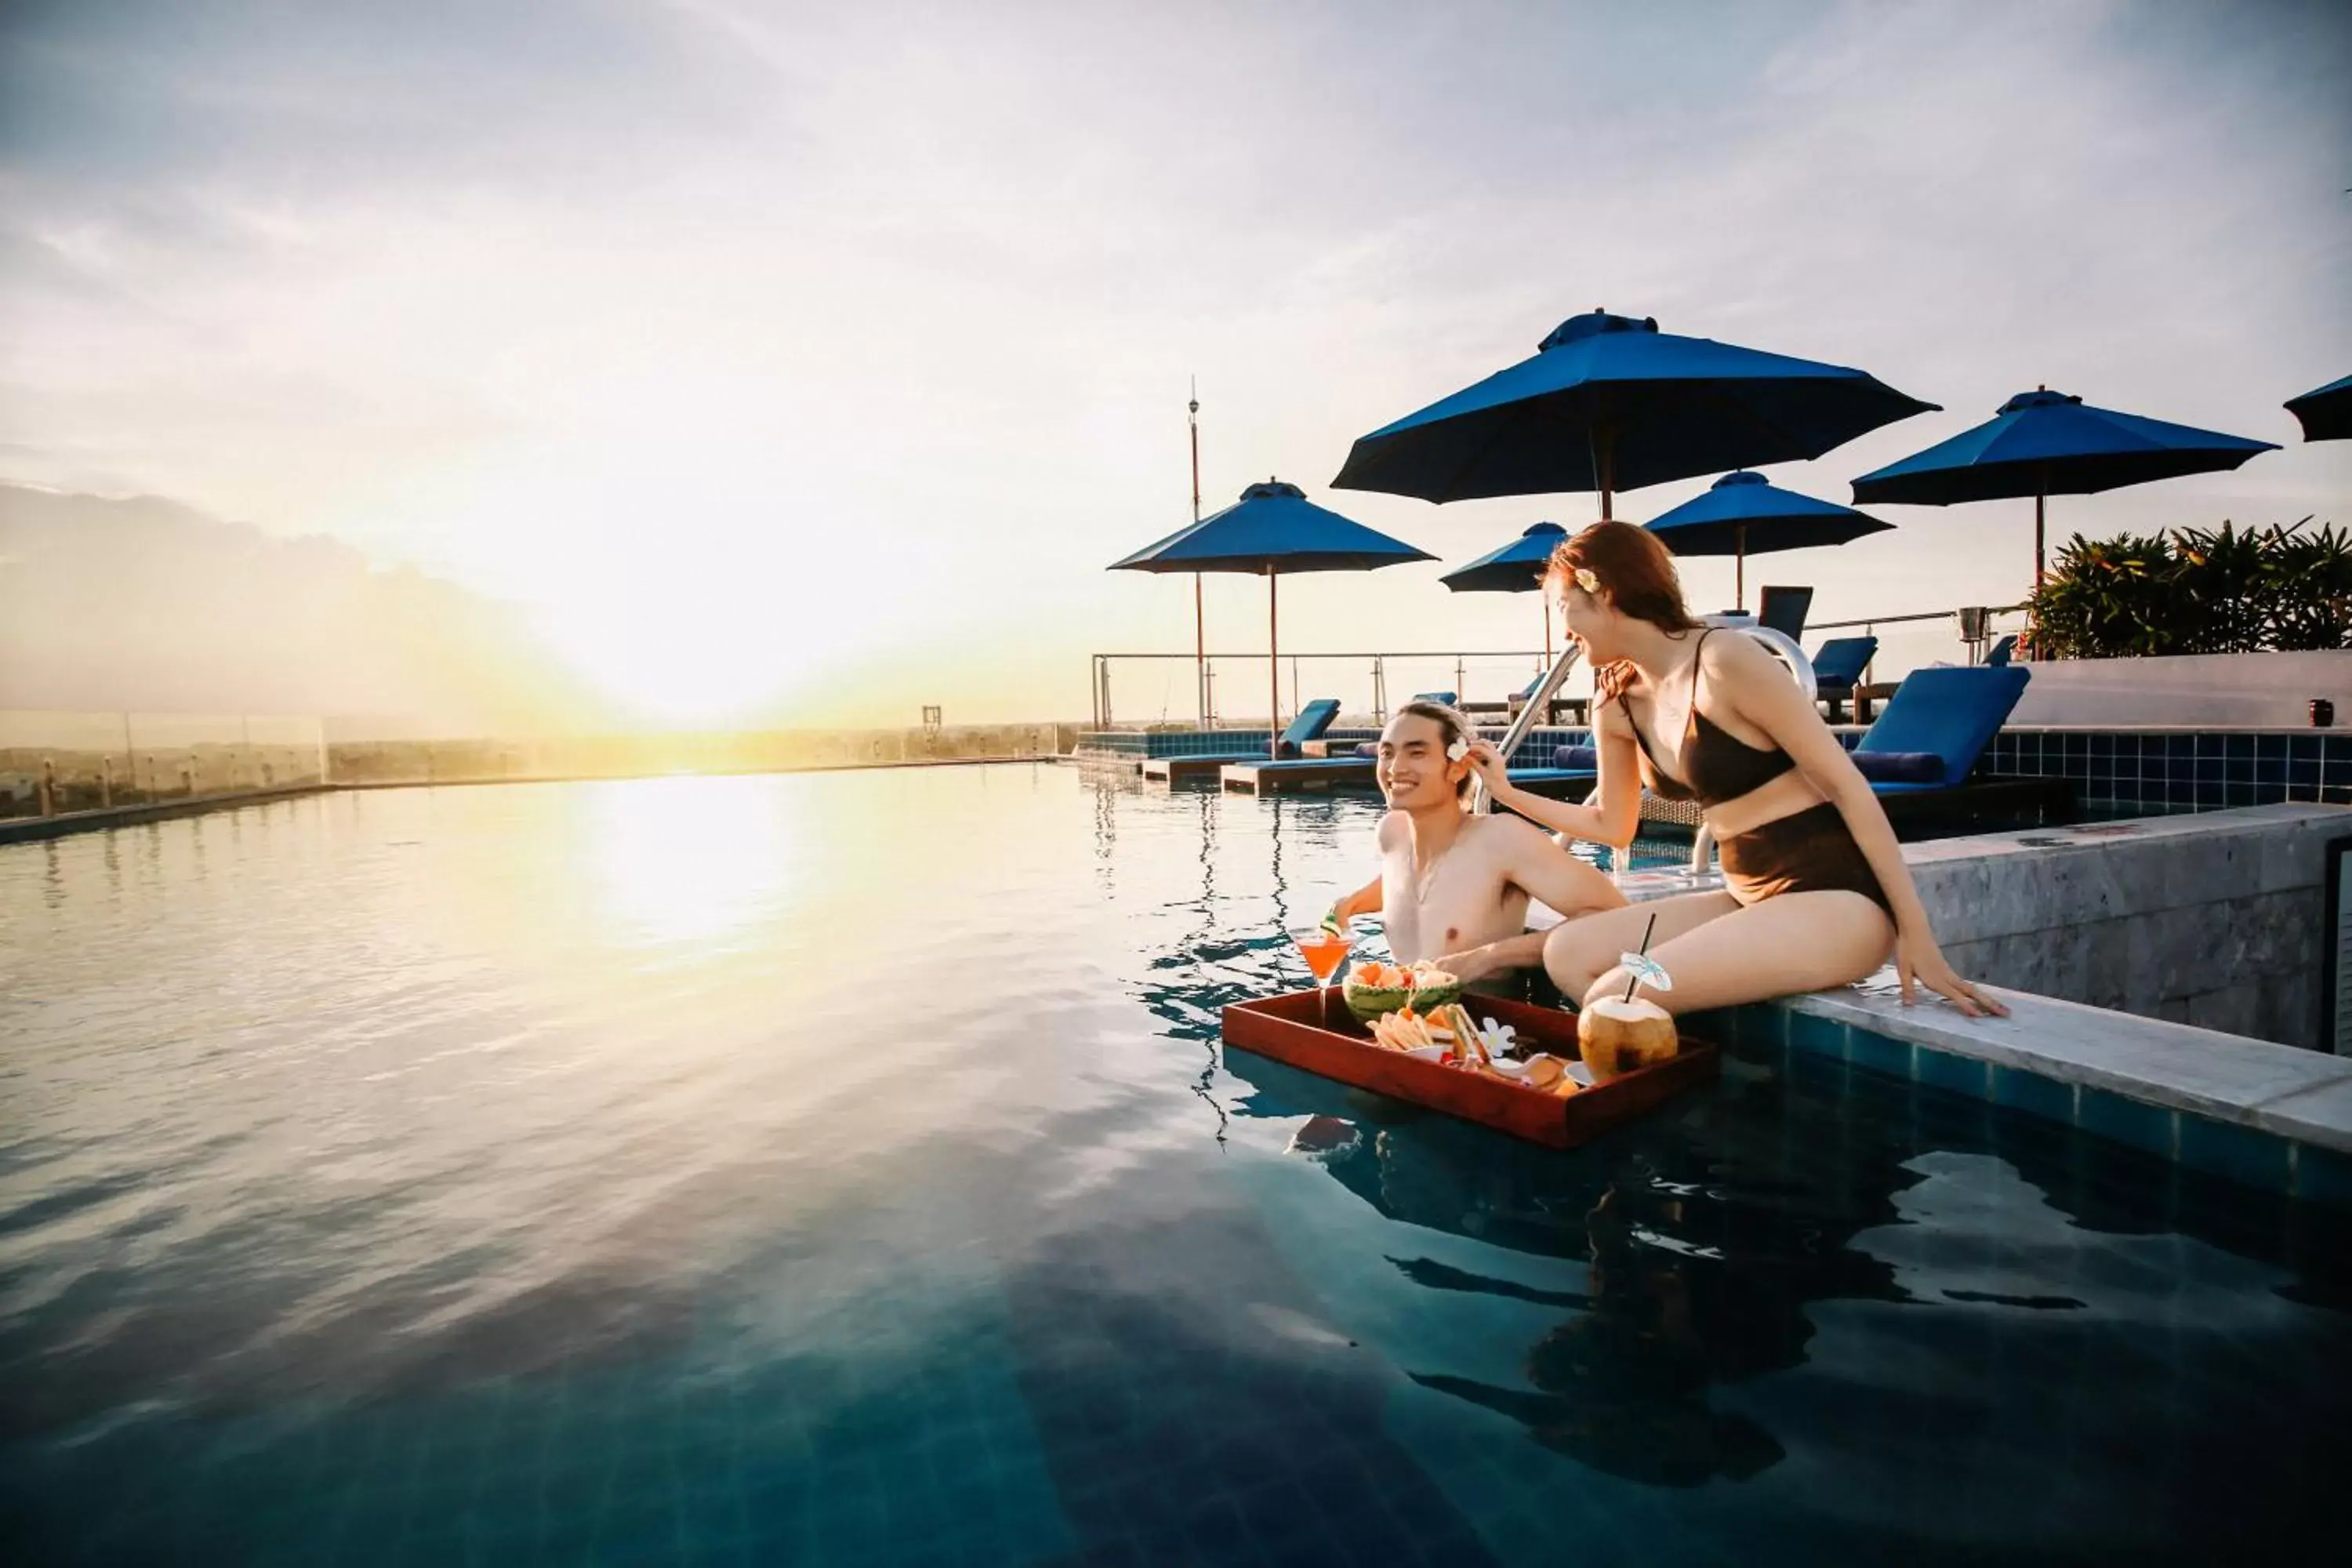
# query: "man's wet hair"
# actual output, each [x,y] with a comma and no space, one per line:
[1452,726]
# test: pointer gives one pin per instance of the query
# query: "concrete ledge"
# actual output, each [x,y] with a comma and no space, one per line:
[30,830]
[2304,1095]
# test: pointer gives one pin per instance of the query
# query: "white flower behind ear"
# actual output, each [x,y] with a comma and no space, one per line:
[1457,751]
[1586,580]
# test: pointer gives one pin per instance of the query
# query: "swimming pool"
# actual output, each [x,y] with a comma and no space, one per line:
[844,1168]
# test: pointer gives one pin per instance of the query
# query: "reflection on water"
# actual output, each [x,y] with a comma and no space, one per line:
[692,860]
[847,1168]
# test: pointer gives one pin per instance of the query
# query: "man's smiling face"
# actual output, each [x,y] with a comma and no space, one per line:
[1413,770]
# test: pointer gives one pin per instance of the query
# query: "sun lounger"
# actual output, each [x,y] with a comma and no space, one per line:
[1837,668]
[2001,652]
[1308,776]
[1309,725]
[1784,610]
[1937,726]
[1510,705]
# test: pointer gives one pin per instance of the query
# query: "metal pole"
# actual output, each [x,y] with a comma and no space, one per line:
[1200,620]
[1294,683]
[1604,466]
[1380,690]
[1529,717]
[2037,540]
[1273,668]
[1739,566]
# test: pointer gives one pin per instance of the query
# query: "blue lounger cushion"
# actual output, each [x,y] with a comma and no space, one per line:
[1900,767]
[1841,661]
[1576,758]
[1952,711]
[1309,725]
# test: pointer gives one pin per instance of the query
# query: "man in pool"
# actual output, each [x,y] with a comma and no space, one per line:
[1455,886]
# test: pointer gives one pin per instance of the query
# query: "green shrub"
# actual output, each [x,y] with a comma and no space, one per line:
[2195,591]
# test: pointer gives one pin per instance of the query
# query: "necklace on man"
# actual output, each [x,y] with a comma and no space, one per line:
[1421,875]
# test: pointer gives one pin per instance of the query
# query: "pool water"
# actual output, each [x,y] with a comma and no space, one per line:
[845,1168]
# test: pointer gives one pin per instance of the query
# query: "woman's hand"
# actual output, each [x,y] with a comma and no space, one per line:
[1488,763]
[1919,957]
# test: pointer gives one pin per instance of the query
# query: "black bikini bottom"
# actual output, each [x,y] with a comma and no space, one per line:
[1809,851]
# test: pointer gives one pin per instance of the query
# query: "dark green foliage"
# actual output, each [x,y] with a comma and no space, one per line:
[2195,591]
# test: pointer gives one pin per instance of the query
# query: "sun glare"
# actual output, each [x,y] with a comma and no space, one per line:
[687,862]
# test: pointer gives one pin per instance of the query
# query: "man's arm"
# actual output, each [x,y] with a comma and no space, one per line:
[1367,900]
[1547,872]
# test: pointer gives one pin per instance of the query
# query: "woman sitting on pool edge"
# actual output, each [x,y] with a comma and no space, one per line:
[1816,892]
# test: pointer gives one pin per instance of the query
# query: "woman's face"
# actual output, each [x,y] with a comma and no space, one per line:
[1589,619]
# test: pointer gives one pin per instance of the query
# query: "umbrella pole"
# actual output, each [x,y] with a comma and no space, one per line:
[2037,539]
[1546,591]
[1200,650]
[1273,669]
[1739,566]
[1603,443]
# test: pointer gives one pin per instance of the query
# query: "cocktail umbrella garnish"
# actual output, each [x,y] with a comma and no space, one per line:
[1640,969]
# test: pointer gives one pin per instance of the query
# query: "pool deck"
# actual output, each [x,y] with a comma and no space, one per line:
[2302,1096]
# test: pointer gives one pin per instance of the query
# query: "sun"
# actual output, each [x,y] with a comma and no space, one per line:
[695,650]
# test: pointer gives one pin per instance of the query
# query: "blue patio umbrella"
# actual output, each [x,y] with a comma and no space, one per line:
[1744,514]
[2045,443]
[1610,403]
[1271,530]
[2326,413]
[1515,568]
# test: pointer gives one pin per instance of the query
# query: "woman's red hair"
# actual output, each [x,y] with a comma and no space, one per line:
[1632,568]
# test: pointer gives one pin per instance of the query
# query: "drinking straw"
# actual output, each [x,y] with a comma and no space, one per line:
[1643,951]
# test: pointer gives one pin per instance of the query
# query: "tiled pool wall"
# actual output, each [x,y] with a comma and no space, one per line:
[2250,1156]
[1142,743]
[2183,770]
[2116,772]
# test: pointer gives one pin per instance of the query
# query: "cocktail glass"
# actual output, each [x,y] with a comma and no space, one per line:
[1323,952]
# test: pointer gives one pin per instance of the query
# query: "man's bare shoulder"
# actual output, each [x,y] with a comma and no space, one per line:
[1509,837]
[1391,824]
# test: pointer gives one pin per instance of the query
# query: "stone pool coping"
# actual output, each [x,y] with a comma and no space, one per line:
[2306,1096]
[2301,1096]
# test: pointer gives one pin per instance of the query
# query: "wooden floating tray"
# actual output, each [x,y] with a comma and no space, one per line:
[1295,1028]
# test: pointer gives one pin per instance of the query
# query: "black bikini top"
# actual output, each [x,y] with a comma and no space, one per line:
[1722,765]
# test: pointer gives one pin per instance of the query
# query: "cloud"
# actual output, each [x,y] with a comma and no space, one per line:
[707,302]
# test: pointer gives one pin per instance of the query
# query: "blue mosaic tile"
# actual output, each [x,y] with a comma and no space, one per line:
[2130,1121]
[2323,1175]
[2033,1094]
[1763,1024]
[1822,1037]
[2243,1155]
[1878,1054]
[2237,748]
[1943,1069]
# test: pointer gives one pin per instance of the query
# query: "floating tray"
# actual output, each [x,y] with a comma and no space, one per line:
[1314,1031]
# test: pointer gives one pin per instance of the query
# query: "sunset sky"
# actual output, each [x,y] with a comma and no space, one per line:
[812,361]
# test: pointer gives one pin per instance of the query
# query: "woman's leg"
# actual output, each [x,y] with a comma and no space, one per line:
[1578,951]
[1778,947]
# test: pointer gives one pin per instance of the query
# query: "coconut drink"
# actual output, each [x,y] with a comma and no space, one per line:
[1625,1034]
[1620,1033]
